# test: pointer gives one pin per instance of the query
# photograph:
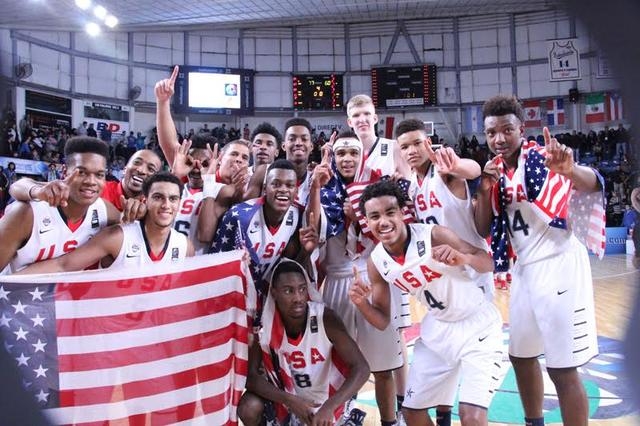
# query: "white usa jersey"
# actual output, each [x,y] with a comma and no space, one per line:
[135,249]
[187,217]
[448,291]
[302,196]
[434,203]
[379,162]
[51,236]
[309,357]
[531,237]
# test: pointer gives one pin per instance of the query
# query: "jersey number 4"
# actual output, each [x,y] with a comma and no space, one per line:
[518,224]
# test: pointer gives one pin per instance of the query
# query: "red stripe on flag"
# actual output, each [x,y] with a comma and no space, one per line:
[137,389]
[145,285]
[144,319]
[120,358]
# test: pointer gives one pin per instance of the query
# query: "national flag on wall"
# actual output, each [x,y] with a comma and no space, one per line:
[473,119]
[532,117]
[165,344]
[614,107]
[555,112]
[595,108]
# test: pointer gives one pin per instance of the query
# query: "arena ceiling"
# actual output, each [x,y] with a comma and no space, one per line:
[149,15]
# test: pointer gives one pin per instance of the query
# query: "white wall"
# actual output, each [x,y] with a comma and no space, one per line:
[107,66]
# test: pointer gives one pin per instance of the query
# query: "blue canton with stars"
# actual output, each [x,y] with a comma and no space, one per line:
[27,326]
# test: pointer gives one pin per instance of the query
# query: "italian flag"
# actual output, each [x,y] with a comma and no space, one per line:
[595,109]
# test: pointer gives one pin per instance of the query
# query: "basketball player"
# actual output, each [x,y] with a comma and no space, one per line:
[192,159]
[313,352]
[265,145]
[297,146]
[142,242]
[382,158]
[441,196]
[382,349]
[35,231]
[269,227]
[551,306]
[461,336]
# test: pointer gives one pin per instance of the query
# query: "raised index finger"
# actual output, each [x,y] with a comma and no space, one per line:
[430,152]
[549,142]
[326,155]
[71,176]
[174,74]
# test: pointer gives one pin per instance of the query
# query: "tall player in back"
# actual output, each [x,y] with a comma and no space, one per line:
[551,307]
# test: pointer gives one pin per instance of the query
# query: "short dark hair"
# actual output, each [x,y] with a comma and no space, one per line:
[410,125]
[503,105]
[380,189]
[85,145]
[297,121]
[281,164]
[160,177]
[269,129]
[284,266]
[200,141]
[346,134]
[243,142]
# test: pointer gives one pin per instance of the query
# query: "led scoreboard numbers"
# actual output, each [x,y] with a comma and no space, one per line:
[404,86]
[317,92]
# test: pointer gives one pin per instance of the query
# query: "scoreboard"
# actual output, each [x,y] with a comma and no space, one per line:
[317,92]
[404,86]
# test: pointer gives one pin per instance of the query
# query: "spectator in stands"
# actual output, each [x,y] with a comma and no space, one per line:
[629,218]
[52,173]
[91,131]
[10,173]
[140,143]
[246,132]
[205,129]
[4,187]
[82,129]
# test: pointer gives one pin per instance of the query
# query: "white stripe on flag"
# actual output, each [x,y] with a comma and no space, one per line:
[118,305]
[215,418]
[162,401]
[133,338]
[150,370]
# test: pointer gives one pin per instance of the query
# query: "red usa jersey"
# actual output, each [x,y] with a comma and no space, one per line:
[134,250]
[51,237]
[379,161]
[448,291]
[187,218]
[309,357]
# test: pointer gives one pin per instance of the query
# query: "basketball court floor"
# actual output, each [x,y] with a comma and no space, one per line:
[615,284]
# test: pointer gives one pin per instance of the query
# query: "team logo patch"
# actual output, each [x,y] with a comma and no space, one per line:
[421,248]
[95,222]
[46,221]
[313,324]
[175,253]
[384,148]
[134,251]
[289,219]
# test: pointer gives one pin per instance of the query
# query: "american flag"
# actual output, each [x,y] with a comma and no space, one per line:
[587,218]
[550,194]
[354,191]
[165,344]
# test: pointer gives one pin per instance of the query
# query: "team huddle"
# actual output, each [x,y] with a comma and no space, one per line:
[337,249]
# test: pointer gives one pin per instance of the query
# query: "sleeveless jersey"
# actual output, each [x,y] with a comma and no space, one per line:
[448,291]
[187,218]
[304,188]
[134,250]
[434,203]
[309,357]
[51,236]
[531,237]
[379,161]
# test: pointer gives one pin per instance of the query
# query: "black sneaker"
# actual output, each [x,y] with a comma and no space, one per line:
[356,417]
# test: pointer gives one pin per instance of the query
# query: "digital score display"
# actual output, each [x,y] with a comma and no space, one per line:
[317,92]
[404,86]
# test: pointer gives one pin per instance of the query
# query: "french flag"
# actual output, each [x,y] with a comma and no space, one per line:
[555,112]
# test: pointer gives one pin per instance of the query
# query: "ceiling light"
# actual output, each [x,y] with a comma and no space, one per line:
[92,29]
[100,12]
[111,21]
[83,4]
